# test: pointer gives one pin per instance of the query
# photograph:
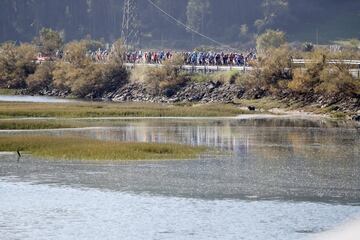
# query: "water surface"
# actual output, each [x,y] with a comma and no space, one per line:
[33,99]
[282,179]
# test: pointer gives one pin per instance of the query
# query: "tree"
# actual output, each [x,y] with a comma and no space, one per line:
[42,78]
[196,12]
[118,52]
[272,10]
[75,53]
[16,64]
[270,39]
[49,41]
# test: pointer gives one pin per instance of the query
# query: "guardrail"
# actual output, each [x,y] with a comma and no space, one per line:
[347,62]
[194,68]
[210,69]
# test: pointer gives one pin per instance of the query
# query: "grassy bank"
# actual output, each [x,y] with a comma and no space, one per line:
[32,125]
[69,148]
[83,110]
[6,91]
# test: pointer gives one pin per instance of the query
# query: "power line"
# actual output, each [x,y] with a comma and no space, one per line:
[188,27]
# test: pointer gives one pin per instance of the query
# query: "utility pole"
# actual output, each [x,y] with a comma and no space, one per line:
[130,32]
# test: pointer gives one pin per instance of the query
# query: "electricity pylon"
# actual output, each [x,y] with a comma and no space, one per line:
[130,32]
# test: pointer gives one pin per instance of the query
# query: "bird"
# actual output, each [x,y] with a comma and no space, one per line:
[19,155]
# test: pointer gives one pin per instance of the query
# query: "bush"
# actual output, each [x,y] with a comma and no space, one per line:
[335,81]
[16,64]
[89,81]
[42,78]
[166,77]
[273,69]
[114,76]
[75,53]
[322,78]
[269,40]
[117,53]
[64,75]
[302,81]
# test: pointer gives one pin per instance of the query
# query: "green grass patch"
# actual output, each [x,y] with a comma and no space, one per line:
[31,125]
[6,91]
[73,148]
[84,110]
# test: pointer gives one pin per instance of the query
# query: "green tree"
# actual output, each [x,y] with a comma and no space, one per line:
[42,78]
[270,39]
[272,10]
[49,41]
[16,64]
[196,12]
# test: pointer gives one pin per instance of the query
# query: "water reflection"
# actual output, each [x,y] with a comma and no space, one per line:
[278,158]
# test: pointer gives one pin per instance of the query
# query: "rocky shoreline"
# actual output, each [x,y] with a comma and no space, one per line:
[212,92]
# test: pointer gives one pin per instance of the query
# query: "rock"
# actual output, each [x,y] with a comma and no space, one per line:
[356,118]
[252,108]
[169,92]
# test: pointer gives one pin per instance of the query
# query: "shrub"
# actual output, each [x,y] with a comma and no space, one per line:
[76,53]
[269,40]
[335,81]
[166,77]
[274,67]
[301,82]
[16,64]
[42,78]
[91,80]
[325,79]
[114,76]
[117,53]
[64,75]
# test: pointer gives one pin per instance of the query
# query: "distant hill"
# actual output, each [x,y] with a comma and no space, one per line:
[228,21]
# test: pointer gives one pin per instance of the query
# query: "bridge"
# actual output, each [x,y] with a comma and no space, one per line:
[208,69]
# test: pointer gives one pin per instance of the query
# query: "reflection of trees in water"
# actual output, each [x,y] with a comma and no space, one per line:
[274,140]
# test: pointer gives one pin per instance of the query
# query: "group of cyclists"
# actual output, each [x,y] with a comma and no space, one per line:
[191,58]
[209,58]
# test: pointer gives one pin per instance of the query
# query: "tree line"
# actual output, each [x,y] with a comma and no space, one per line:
[228,21]
[75,73]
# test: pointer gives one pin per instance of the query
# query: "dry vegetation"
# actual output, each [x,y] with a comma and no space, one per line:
[166,78]
[72,148]
[88,109]
[273,75]
[76,73]
[32,124]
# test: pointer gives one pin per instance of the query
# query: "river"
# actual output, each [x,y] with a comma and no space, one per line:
[34,99]
[279,179]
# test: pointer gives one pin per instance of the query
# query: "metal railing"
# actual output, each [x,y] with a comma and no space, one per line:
[210,68]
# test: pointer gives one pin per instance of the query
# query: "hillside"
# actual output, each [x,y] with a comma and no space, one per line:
[228,21]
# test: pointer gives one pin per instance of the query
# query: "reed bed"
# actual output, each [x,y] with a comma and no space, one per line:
[32,125]
[74,148]
[91,109]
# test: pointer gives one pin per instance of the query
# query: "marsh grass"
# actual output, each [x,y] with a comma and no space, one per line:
[6,91]
[73,148]
[32,125]
[89,109]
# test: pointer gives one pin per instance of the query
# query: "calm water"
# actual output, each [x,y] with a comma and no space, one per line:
[35,99]
[283,179]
